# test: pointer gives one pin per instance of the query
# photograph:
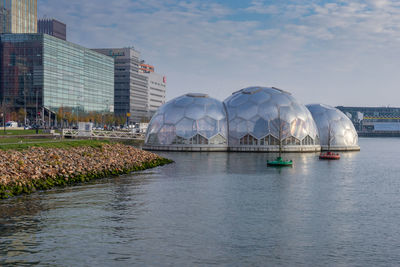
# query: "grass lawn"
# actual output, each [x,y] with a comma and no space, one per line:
[18,132]
[51,143]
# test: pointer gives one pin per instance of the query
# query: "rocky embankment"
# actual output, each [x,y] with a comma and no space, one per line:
[43,168]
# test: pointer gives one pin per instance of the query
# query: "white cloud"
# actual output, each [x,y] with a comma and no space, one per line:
[310,48]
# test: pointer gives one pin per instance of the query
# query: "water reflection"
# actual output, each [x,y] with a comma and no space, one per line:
[218,208]
[19,221]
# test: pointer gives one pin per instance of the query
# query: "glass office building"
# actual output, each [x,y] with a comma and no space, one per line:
[41,71]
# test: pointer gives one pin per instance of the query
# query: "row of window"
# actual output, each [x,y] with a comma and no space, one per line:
[270,140]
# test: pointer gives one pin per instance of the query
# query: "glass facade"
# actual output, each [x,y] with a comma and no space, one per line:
[18,16]
[38,70]
[334,127]
[260,117]
[131,91]
[192,120]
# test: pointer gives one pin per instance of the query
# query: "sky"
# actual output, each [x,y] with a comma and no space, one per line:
[343,52]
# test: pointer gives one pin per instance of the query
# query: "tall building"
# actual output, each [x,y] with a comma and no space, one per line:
[156,87]
[52,27]
[41,72]
[131,87]
[18,16]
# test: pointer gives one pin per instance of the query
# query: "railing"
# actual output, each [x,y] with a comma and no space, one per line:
[103,134]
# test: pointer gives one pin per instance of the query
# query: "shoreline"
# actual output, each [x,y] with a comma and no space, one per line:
[37,169]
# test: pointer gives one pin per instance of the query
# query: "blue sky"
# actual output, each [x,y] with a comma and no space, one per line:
[334,52]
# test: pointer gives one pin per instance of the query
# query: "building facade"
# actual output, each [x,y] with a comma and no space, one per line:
[18,16]
[39,71]
[156,91]
[52,27]
[131,87]
[374,121]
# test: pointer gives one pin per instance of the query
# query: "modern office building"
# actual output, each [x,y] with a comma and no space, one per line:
[52,27]
[131,86]
[18,16]
[41,72]
[156,88]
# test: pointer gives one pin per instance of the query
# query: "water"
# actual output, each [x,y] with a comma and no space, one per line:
[218,209]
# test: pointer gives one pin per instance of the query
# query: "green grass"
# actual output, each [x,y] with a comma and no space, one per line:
[21,140]
[19,132]
[54,144]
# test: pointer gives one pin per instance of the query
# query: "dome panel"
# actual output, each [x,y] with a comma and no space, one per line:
[186,128]
[195,112]
[260,128]
[173,115]
[246,111]
[167,134]
[335,128]
[216,111]
[183,101]
[207,127]
[156,124]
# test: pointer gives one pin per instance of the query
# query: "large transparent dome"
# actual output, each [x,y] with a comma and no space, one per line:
[335,126]
[259,116]
[192,122]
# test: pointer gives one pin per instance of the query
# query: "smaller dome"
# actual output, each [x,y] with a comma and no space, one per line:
[192,122]
[335,128]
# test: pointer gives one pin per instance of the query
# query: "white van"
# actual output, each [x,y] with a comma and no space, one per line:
[12,124]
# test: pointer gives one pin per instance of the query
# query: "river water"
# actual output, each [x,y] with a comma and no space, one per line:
[218,209]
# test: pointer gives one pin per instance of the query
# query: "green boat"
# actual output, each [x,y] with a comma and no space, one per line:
[279,162]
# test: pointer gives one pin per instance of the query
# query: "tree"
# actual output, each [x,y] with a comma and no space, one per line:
[21,115]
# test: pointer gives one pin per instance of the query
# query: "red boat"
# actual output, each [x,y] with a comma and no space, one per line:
[329,155]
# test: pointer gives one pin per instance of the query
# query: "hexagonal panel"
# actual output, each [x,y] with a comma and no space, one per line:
[186,128]
[173,115]
[216,111]
[195,112]
[166,135]
[207,127]
[260,128]
[260,97]
[246,111]
[183,101]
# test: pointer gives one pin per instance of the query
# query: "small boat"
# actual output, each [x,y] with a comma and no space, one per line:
[329,155]
[279,162]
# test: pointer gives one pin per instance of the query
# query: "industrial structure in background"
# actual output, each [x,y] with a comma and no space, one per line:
[374,121]
[139,91]
[18,16]
[52,27]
